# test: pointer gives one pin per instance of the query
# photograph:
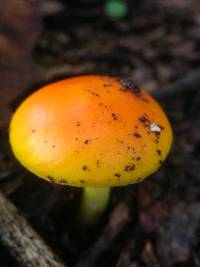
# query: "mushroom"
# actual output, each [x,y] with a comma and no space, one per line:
[91,131]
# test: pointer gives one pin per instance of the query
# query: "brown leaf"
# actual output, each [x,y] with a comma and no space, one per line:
[20,21]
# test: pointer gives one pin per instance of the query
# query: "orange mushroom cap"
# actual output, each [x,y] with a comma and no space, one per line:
[94,131]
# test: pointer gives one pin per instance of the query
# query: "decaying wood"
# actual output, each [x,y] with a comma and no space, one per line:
[23,242]
[118,219]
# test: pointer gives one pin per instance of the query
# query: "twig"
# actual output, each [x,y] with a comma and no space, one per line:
[149,256]
[22,241]
[118,219]
[65,70]
[126,255]
[49,7]
[190,82]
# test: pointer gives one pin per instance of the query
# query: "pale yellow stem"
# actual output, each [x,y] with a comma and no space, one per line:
[94,202]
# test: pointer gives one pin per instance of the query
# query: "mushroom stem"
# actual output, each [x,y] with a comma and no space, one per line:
[94,202]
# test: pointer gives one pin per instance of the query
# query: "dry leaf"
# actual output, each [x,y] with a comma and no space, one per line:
[20,22]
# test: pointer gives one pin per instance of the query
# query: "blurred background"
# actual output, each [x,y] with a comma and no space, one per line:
[155,43]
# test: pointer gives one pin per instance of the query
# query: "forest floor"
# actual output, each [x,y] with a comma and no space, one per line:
[156,44]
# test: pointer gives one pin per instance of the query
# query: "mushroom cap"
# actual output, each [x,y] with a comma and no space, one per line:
[94,131]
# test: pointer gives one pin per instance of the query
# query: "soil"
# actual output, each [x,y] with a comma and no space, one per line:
[155,44]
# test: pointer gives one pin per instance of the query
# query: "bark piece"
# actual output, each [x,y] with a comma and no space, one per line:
[22,241]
